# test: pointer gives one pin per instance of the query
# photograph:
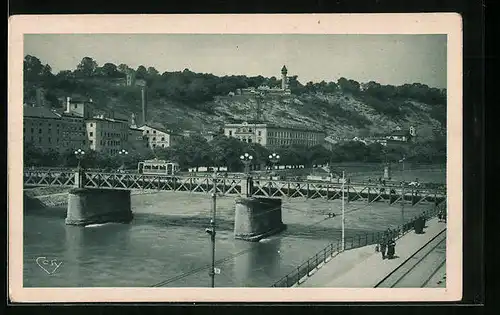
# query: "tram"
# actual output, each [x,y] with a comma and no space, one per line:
[157,167]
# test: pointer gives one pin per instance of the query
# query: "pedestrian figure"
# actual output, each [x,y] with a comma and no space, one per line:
[383,246]
[389,234]
[391,248]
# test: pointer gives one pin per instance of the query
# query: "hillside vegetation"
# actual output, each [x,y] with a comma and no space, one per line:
[188,100]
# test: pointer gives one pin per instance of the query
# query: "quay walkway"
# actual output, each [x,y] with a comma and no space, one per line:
[364,268]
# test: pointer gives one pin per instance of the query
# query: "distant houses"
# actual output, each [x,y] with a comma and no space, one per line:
[398,136]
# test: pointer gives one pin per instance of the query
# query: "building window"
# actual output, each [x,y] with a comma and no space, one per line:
[147,131]
[249,140]
[162,138]
[260,133]
[162,145]
[91,134]
[39,130]
[31,130]
[154,145]
[154,138]
[154,131]
[83,142]
[91,125]
[50,141]
[230,132]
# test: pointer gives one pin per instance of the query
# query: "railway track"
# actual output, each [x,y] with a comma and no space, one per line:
[420,268]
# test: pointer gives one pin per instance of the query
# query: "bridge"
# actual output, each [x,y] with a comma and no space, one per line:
[237,186]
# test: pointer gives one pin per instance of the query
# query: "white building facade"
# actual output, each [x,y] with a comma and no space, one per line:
[159,138]
[273,136]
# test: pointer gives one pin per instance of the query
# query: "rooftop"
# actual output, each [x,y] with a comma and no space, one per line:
[270,125]
[39,112]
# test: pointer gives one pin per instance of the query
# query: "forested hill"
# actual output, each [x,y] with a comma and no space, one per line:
[188,100]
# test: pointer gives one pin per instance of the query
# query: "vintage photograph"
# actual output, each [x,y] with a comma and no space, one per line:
[244,160]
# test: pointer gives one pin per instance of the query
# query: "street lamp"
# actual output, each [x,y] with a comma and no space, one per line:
[402,161]
[274,158]
[246,159]
[211,230]
[79,155]
[123,153]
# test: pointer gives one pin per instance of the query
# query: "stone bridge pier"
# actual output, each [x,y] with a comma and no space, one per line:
[257,218]
[93,206]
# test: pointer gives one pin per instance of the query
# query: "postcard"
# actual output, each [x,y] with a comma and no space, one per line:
[235,158]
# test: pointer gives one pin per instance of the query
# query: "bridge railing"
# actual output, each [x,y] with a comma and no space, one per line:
[298,275]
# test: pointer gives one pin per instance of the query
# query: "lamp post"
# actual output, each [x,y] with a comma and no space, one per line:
[123,153]
[246,159]
[79,155]
[343,212]
[211,230]
[274,158]
[402,161]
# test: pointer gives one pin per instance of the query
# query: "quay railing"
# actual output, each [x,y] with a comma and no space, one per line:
[296,276]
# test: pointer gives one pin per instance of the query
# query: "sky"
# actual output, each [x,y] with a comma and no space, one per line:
[386,59]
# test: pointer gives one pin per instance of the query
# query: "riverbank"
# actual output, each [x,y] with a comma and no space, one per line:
[54,197]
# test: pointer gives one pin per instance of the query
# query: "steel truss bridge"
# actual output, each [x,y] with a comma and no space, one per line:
[368,192]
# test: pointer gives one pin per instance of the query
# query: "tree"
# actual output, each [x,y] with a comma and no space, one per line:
[34,71]
[152,72]
[110,70]
[32,68]
[193,151]
[141,72]
[226,151]
[123,68]
[87,67]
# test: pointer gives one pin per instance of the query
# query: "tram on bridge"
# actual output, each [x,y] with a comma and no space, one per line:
[157,167]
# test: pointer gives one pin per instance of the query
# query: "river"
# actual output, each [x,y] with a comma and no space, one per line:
[166,243]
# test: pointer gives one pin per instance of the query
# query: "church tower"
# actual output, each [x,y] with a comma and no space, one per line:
[284,79]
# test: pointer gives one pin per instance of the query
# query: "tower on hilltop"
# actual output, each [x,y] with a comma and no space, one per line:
[284,83]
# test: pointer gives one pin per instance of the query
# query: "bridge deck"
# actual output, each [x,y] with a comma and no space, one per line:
[236,186]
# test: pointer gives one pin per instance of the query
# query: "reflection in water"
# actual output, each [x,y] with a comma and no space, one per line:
[259,264]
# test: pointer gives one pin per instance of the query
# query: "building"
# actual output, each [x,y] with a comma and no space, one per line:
[400,135]
[74,131]
[52,130]
[208,135]
[79,107]
[43,128]
[284,89]
[131,79]
[158,136]
[107,135]
[272,136]
[136,141]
